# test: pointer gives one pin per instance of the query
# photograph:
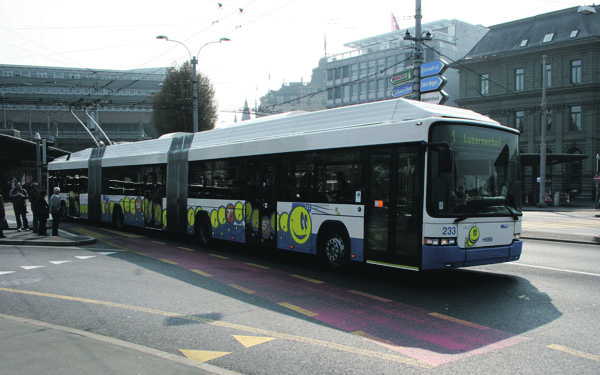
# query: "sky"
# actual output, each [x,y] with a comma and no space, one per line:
[272,41]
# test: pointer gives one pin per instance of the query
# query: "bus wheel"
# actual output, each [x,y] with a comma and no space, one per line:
[203,230]
[335,249]
[118,220]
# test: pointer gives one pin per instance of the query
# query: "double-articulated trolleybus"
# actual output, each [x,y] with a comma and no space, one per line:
[395,183]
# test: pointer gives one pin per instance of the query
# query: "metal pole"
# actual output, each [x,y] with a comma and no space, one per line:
[542,202]
[195,93]
[418,54]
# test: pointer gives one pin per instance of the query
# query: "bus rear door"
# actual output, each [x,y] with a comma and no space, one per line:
[261,208]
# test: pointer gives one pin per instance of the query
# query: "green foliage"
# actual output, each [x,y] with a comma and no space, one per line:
[173,105]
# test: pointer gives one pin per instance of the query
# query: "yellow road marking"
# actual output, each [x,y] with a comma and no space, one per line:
[169,261]
[459,321]
[370,296]
[258,266]
[218,256]
[575,352]
[186,248]
[100,237]
[298,309]
[223,324]
[160,243]
[307,279]
[239,287]
[124,234]
[250,341]
[201,273]
[202,355]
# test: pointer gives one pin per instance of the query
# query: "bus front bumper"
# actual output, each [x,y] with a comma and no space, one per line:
[438,257]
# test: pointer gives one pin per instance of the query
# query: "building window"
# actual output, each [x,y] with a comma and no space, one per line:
[548,73]
[548,38]
[519,79]
[485,84]
[576,71]
[520,120]
[575,118]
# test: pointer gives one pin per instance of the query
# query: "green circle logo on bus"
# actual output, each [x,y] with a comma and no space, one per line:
[300,224]
[473,237]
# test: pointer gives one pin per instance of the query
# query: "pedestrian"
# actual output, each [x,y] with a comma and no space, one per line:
[18,195]
[34,196]
[3,222]
[55,210]
[43,213]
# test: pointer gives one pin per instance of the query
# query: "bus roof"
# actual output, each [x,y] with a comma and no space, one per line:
[305,127]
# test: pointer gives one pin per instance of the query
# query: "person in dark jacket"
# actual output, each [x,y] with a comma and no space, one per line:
[18,195]
[43,213]
[55,210]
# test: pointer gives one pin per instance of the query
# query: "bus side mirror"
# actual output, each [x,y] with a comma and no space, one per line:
[446,160]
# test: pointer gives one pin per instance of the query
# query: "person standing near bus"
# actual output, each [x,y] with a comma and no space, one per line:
[34,196]
[55,210]
[18,195]
[3,222]
[43,212]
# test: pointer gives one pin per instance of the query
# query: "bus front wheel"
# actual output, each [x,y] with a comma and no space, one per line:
[335,249]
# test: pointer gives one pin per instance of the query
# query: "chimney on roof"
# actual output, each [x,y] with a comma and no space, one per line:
[587,10]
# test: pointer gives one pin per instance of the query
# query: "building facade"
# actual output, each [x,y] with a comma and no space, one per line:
[363,74]
[503,77]
[37,99]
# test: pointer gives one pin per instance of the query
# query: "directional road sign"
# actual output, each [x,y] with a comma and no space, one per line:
[433,68]
[402,77]
[402,90]
[432,83]
[435,97]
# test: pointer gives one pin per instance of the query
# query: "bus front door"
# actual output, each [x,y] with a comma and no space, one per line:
[261,208]
[394,220]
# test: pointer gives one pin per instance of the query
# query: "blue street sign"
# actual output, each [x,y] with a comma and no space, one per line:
[432,83]
[402,90]
[433,68]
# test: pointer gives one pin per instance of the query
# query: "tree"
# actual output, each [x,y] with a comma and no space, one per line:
[173,105]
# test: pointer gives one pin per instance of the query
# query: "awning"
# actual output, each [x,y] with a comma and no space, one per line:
[14,149]
[533,160]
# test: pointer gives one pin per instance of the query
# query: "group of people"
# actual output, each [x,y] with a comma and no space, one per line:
[40,207]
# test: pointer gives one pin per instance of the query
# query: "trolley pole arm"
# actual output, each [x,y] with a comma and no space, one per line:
[97,125]
[85,127]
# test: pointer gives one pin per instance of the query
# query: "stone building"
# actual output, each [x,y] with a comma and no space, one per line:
[503,75]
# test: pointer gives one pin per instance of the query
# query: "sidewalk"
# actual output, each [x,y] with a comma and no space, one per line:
[32,347]
[13,237]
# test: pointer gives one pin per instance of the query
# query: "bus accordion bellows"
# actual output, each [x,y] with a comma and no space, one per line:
[396,183]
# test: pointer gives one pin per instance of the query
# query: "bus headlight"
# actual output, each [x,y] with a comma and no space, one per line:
[439,241]
[517,236]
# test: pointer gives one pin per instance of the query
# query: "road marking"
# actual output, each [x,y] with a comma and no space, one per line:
[253,330]
[575,352]
[27,268]
[239,287]
[169,261]
[555,269]
[307,279]
[218,256]
[258,266]
[57,262]
[381,299]
[6,272]
[202,355]
[250,341]
[84,257]
[186,248]
[298,309]
[124,234]
[159,243]
[201,273]
[459,321]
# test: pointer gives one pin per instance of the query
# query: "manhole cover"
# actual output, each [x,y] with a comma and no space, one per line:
[19,281]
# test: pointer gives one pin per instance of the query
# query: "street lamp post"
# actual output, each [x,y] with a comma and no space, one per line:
[194,62]
[38,159]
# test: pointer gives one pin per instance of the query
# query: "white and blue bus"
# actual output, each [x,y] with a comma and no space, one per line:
[395,183]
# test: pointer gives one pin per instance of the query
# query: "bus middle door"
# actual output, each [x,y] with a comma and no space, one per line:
[261,206]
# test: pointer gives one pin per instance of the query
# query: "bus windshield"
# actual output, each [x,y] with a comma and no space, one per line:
[473,171]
